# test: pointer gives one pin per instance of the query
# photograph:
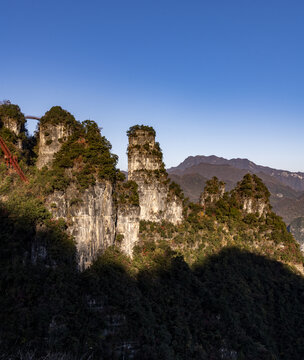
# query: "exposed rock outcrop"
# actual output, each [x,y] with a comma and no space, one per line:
[252,195]
[13,124]
[91,218]
[107,212]
[51,138]
[54,129]
[146,168]
[127,228]
[128,215]
[12,118]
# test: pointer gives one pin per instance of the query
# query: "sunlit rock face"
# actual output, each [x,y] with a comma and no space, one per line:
[91,218]
[146,168]
[14,125]
[51,138]
[127,228]
[95,218]
[255,206]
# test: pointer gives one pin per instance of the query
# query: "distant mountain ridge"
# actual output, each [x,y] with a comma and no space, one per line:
[286,187]
[295,180]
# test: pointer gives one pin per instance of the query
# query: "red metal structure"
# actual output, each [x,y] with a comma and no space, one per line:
[12,160]
[32,117]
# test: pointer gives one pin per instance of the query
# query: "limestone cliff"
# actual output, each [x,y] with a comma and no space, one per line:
[79,181]
[146,168]
[128,215]
[13,125]
[51,138]
[55,128]
[91,218]
[100,209]
[127,228]
[12,118]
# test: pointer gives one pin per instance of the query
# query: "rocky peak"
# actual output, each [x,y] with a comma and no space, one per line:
[144,154]
[55,128]
[252,195]
[141,134]
[12,118]
[213,191]
[145,161]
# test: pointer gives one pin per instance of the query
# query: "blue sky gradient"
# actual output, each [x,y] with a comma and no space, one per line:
[212,77]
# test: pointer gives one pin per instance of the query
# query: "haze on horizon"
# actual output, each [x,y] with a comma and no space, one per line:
[212,77]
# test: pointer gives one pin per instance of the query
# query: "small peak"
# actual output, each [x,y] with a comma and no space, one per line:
[56,115]
[214,190]
[11,117]
[252,194]
[56,126]
[140,130]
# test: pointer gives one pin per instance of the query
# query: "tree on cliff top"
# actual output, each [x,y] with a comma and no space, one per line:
[252,186]
[133,129]
[88,154]
[56,115]
[12,111]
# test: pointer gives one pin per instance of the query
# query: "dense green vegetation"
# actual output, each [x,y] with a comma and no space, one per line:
[88,154]
[127,193]
[56,115]
[133,129]
[252,186]
[11,111]
[214,186]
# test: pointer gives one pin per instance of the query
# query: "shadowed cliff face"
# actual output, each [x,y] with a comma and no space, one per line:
[230,305]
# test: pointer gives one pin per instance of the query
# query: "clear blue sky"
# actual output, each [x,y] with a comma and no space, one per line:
[212,76]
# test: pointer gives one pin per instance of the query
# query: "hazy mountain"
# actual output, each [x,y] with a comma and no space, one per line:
[287,188]
[293,179]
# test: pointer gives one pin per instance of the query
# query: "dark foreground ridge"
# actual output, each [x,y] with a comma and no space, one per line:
[230,305]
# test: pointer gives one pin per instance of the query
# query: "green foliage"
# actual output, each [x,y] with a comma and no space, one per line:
[214,186]
[10,139]
[87,154]
[175,190]
[119,238]
[56,115]
[11,111]
[127,193]
[76,201]
[148,129]
[252,186]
